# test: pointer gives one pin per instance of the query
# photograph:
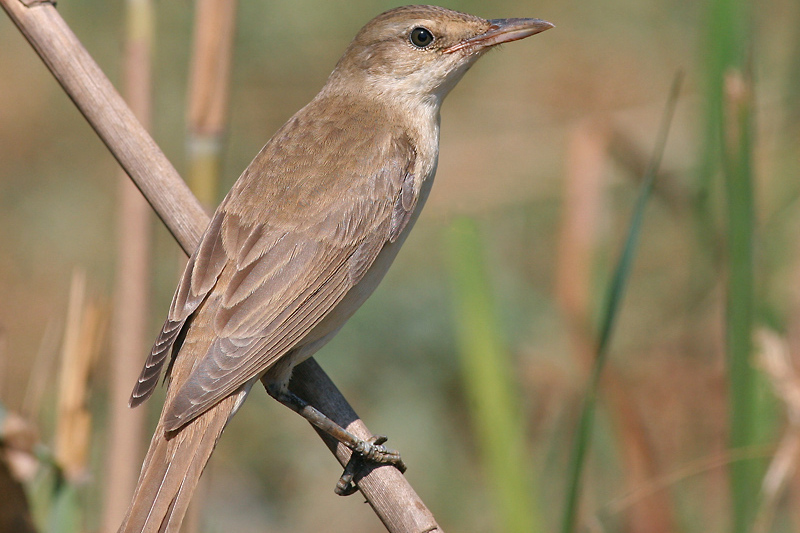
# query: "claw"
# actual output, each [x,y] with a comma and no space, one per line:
[371,450]
[346,486]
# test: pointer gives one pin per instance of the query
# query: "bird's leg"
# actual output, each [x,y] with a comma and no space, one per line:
[371,450]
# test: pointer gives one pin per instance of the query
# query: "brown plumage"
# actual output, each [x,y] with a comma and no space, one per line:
[303,238]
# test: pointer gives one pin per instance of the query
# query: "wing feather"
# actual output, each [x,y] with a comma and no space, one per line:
[226,366]
[205,265]
[283,255]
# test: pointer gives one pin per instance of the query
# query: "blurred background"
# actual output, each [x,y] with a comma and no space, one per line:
[475,354]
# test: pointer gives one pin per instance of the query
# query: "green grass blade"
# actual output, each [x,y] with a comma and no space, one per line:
[742,376]
[729,133]
[490,388]
[728,30]
[615,294]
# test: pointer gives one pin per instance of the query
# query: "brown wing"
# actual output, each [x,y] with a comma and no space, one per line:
[293,243]
[199,277]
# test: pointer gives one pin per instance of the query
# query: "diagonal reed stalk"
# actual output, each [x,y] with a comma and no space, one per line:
[614,299]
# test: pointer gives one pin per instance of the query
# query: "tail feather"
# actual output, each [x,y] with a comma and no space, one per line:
[171,471]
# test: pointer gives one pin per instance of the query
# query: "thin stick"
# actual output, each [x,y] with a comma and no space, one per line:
[129,335]
[389,493]
[85,323]
[209,86]
[112,119]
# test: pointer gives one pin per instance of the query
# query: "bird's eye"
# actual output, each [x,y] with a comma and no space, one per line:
[420,37]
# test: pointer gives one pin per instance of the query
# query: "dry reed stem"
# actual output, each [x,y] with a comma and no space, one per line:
[209,87]
[124,446]
[82,335]
[577,238]
[209,79]
[389,493]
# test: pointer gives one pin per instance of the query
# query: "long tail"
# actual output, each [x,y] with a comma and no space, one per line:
[171,470]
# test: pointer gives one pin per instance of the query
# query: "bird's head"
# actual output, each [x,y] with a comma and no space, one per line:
[417,54]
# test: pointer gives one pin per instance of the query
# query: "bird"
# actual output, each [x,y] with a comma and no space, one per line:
[302,239]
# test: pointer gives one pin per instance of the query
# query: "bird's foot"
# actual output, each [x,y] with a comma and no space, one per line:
[370,450]
[366,451]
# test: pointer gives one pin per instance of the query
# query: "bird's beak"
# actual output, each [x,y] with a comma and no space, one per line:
[502,31]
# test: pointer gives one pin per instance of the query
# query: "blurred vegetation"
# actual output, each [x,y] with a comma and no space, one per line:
[541,151]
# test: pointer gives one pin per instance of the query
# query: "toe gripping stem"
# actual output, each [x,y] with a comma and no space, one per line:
[370,450]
